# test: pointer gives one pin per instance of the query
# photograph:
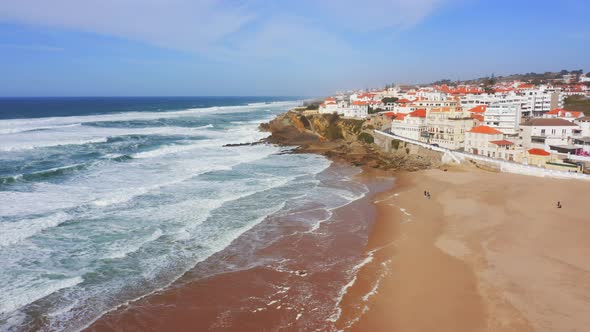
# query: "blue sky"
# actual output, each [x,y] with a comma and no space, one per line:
[258,47]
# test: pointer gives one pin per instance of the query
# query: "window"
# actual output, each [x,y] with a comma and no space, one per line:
[542,131]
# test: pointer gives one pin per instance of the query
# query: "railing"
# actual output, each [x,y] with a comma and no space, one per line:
[505,166]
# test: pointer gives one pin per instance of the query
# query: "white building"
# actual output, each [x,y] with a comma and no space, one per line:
[477,140]
[357,109]
[504,115]
[446,127]
[544,133]
[541,100]
[410,125]
[560,113]
[329,106]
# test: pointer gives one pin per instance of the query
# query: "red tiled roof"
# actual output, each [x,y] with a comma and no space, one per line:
[562,113]
[400,116]
[479,109]
[539,152]
[421,113]
[359,103]
[477,117]
[502,142]
[389,114]
[485,130]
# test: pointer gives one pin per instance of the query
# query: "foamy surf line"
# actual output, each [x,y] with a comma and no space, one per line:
[19,125]
[94,202]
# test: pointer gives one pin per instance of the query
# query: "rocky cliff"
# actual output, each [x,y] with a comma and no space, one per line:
[342,139]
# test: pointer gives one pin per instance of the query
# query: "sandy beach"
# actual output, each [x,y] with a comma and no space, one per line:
[488,252]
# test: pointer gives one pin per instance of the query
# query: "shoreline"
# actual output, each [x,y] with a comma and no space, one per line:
[445,264]
[291,282]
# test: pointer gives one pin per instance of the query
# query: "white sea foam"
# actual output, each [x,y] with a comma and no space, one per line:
[19,125]
[16,231]
[13,299]
[354,271]
[163,195]
[33,128]
[128,247]
[81,135]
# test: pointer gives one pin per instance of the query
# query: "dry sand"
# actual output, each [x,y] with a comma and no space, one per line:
[489,252]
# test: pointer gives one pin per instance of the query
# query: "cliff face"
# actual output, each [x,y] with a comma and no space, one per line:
[343,139]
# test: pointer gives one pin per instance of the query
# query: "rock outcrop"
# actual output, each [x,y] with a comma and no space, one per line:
[349,140]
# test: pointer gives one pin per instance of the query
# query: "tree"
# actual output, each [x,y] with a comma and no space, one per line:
[389,100]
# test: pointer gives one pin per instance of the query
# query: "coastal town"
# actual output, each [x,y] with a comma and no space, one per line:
[521,122]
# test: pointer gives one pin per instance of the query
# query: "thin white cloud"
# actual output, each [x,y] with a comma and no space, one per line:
[178,24]
[378,14]
[227,28]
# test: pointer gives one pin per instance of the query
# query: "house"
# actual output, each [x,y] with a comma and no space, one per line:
[477,140]
[506,150]
[537,157]
[329,106]
[563,114]
[542,133]
[541,158]
[410,125]
[357,109]
[446,126]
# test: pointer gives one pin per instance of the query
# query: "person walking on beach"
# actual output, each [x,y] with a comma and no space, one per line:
[428,194]
[558,204]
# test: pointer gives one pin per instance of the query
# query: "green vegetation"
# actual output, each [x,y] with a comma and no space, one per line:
[535,78]
[389,100]
[367,138]
[312,105]
[578,103]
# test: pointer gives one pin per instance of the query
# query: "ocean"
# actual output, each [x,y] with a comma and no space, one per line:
[104,201]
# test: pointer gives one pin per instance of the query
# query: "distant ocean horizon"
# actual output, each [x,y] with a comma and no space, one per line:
[107,199]
[48,106]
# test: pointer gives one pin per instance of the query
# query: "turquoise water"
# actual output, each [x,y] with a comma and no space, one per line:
[102,208]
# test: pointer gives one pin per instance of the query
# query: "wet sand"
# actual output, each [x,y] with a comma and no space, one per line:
[278,276]
[489,252]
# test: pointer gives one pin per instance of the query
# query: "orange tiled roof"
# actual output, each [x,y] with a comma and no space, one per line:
[484,130]
[421,113]
[479,109]
[477,117]
[562,113]
[502,142]
[539,152]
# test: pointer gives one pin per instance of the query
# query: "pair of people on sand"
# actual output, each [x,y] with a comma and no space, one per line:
[427,194]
